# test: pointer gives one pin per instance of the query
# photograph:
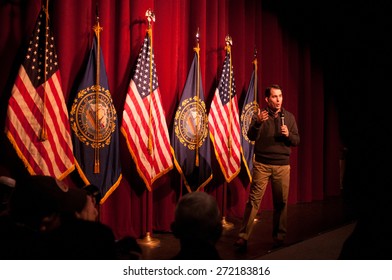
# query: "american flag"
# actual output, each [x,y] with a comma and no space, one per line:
[143,123]
[224,123]
[37,118]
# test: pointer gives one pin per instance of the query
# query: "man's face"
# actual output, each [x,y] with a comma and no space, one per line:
[275,100]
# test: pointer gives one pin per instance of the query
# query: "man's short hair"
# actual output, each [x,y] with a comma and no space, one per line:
[267,92]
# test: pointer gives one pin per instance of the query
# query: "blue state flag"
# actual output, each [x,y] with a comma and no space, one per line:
[249,108]
[95,129]
[191,145]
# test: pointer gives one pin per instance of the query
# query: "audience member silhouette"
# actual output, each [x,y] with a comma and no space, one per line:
[7,186]
[49,220]
[127,248]
[94,191]
[198,227]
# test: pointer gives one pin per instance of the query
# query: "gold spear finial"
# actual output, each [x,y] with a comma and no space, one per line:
[255,57]
[229,43]
[97,28]
[197,35]
[228,40]
[197,48]
[150,16]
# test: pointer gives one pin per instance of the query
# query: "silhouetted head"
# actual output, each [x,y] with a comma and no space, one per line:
[38,197]
[197,218]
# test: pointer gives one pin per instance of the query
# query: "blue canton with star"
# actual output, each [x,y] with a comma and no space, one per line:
[224,92]
[142,72]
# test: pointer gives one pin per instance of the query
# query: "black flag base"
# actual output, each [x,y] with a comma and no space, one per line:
[149,241]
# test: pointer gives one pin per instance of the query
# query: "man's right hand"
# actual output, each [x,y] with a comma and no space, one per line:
[262,115]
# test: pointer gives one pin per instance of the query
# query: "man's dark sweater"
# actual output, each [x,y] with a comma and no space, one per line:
[271,147]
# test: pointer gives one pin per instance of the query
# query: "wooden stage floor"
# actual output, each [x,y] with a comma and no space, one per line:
[305,220]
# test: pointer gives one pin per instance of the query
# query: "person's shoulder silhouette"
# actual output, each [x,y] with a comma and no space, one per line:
[79,239]
[47,220]
[198,226]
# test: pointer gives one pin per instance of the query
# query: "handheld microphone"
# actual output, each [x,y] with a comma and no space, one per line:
[282,117]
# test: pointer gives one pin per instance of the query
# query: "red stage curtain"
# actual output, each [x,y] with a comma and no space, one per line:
[283,57]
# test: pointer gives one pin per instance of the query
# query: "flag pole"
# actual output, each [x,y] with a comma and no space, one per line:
[225,224]
[229,43]
[97,29]
[148,240]
[44,134]
[150,17]
[255,79]
[256,98]
[197,50]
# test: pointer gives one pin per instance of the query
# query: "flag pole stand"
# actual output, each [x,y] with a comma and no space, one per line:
[225,224]
[148,240]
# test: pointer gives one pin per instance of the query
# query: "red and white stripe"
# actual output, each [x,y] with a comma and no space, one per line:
[53,157]
[220,118]
[136,127]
